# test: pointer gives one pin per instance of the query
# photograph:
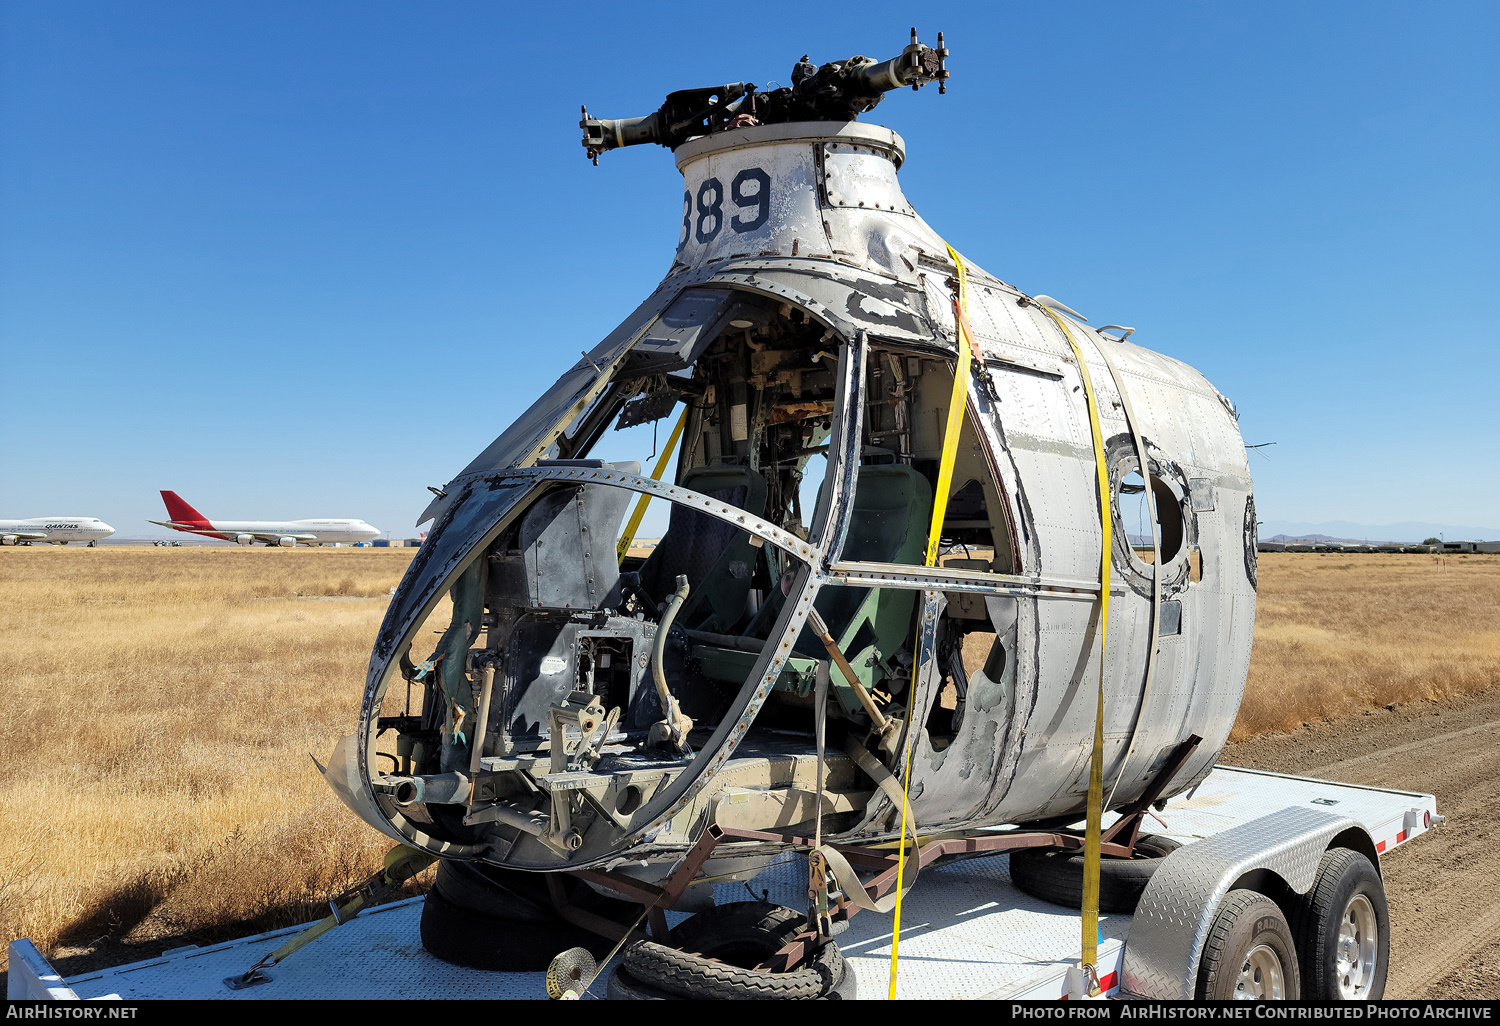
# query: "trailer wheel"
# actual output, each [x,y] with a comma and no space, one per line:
[1057,876]
[1249,954]
[714,956]
[1343,931]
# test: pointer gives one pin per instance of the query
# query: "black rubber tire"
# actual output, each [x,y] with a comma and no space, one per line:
[490,891]
[624,987]
[1057,876]
[1342,874]
[1244,921]
[466,938]
[714,954]
[484,917]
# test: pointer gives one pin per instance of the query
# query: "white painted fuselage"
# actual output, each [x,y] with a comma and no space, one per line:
[306,532]
[53,530]
[272,532]
[330,531]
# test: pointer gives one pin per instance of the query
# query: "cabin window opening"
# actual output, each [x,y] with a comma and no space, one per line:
[906,406]
[1135,516]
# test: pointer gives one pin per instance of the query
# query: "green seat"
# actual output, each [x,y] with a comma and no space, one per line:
[716,557]
[892,512]
[891,515]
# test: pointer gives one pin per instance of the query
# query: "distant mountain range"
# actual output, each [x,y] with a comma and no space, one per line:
[1344,531]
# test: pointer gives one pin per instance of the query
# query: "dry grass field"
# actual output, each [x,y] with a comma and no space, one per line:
[1337,633]
[154,771]
[157,788]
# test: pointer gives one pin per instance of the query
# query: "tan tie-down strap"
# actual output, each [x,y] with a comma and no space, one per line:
[843,872]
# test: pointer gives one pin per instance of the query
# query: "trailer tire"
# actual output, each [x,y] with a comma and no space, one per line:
[1249,952]
[1343,931]
[1057,876]
[714,954]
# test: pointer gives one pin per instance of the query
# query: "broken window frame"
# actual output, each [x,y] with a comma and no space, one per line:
[543,425]
[830,520]
[522,487]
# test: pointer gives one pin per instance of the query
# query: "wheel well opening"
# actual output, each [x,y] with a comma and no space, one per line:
[1358,840]
[1272,885]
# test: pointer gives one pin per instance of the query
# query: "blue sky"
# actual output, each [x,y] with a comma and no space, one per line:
[297,260]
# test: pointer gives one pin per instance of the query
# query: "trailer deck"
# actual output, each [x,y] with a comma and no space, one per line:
[967,931]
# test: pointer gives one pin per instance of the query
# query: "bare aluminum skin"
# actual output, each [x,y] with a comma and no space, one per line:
[839,241]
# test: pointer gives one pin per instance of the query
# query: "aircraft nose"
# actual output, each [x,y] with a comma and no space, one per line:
[105,528]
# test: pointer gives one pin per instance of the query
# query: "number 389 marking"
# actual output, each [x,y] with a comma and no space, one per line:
[709,220]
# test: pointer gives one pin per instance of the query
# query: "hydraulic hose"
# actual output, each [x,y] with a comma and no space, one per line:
[674,726]
[659,650]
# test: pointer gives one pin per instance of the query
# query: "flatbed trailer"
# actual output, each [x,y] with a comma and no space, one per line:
[967,931]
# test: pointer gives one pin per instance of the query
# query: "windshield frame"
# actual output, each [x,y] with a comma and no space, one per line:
[826,533]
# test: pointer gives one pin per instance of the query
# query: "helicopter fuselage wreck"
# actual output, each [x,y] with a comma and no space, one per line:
[585,708]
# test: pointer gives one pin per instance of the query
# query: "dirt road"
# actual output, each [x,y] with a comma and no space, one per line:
[1444,910]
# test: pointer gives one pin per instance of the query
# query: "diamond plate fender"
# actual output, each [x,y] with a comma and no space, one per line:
[1177,909]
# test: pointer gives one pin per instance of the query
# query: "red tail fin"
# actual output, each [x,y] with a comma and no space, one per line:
[180,512]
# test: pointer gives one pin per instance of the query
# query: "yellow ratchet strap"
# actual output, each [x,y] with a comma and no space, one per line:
[401,864]
[645,499]
[957,400]
[1096,763]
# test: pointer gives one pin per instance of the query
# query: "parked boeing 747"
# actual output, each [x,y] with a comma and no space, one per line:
[53,530]
[271,532]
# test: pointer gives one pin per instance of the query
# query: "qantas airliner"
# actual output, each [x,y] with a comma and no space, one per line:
[271,532]
[54,530]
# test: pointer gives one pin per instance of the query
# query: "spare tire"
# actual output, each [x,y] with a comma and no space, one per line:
[491,891]
[714,955]
[624,987]
[484,917]
[1057,876]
